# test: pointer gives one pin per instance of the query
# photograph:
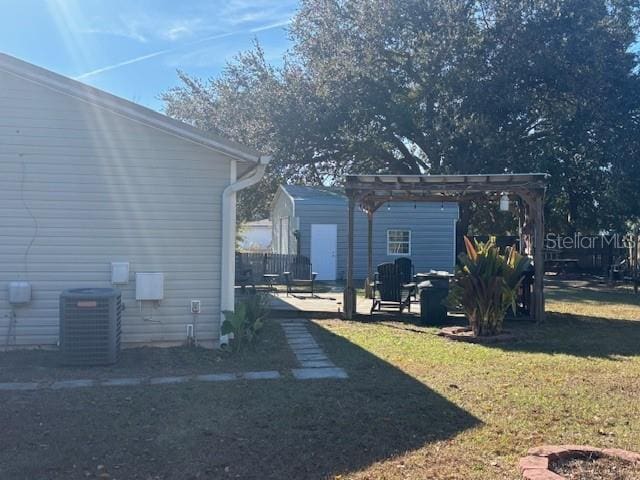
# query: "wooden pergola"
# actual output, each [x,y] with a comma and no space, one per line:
[370,192]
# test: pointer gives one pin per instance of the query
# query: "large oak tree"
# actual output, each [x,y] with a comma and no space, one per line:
[442,86]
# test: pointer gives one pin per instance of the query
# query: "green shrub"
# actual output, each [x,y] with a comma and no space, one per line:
[244,324]
[487,283]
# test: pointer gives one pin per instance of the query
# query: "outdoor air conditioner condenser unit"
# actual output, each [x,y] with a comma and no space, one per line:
[90,326]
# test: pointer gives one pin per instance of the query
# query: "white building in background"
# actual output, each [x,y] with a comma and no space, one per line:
[256,236]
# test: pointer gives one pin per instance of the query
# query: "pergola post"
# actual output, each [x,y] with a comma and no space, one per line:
[349,300]
[368,289]
[538,256]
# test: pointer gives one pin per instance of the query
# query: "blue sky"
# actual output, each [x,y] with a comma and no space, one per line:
[132,48]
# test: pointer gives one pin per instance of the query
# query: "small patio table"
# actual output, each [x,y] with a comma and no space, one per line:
[270,280]
[433,275]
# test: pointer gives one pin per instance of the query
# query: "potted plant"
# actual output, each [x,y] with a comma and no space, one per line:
[487,283]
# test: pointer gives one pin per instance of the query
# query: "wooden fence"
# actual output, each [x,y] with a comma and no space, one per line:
[258,264]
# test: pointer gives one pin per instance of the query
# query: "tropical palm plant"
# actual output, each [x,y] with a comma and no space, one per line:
[245,322]
[487,283]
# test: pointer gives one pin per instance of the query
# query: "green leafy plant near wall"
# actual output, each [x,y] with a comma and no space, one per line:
[244,324]
[487,283]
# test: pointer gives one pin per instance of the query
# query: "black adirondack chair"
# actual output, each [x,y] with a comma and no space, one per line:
[388,291]
[300,278]
[406,276]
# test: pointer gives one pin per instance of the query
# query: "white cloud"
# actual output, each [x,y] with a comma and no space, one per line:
[179,31]
[139,22]
[125,29]
[175,33]
[179,48]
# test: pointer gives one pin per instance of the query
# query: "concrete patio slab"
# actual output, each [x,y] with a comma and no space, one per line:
[323,303]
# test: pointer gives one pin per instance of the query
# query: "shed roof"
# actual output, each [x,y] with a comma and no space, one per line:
[315,194]
[125,108]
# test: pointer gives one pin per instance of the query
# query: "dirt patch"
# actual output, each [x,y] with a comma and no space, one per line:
[596,468]
[270,352]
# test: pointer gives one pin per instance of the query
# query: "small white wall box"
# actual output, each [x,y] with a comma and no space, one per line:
[19,293]
[149,286]
[119,272]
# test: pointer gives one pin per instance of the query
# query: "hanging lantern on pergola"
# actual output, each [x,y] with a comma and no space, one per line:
[504,202]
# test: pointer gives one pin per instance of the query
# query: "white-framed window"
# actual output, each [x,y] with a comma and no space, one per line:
[398,242]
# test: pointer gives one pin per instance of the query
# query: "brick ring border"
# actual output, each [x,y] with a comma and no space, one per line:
[535,466]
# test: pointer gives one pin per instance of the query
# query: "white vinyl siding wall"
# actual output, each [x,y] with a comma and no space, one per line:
[81,187]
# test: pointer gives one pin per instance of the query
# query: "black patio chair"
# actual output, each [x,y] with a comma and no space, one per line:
[244,275]
[300,278]
[388,291]
[406,276]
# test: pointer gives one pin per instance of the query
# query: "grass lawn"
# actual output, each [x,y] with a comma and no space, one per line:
[416,406]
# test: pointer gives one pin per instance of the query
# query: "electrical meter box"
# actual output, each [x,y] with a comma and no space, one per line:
[149,286]
[119,273]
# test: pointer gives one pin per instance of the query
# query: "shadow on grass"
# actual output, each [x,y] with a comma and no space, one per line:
[589,293]
[283,429]
[575,335]
[410,319]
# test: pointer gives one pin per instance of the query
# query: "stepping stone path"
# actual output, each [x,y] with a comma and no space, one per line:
[314,362]
[138,381]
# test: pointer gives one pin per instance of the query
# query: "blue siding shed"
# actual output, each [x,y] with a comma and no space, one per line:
[304,219]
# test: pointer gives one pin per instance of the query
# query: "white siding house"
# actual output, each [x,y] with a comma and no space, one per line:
[87,179]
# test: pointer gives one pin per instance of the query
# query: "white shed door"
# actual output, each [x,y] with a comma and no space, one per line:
[324,250]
